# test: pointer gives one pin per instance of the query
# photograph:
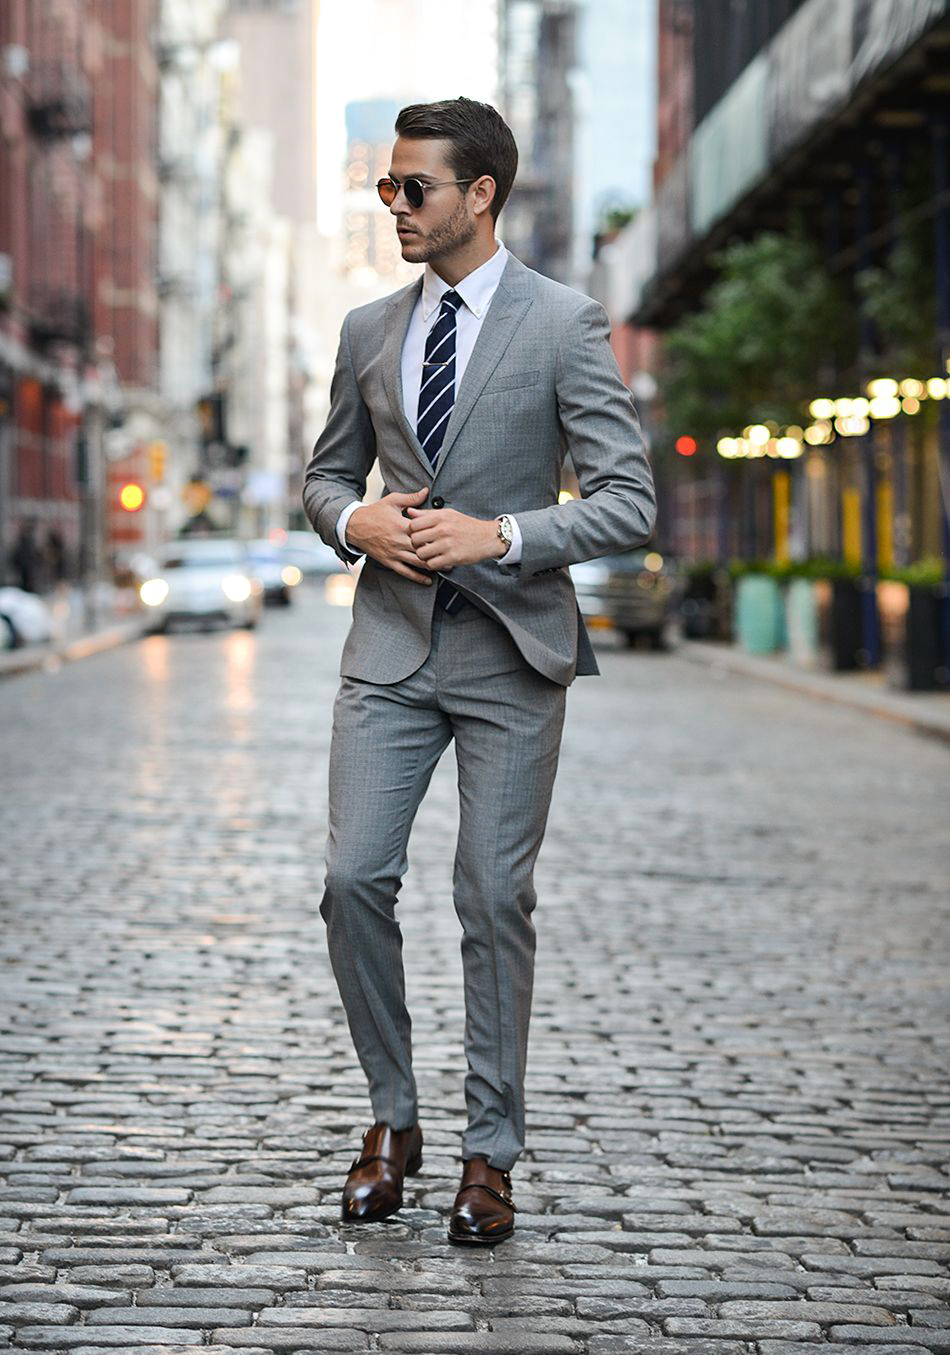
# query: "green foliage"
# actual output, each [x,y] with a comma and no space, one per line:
[818,567]
[925,573]
[756,348]
[901,300]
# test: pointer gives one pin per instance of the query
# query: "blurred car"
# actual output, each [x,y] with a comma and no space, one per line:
[636,594]
[310,554]
[279,574]
[207,579]
[590,584]
[25,619]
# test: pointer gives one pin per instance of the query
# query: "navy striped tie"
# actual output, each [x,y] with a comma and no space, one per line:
[436,399]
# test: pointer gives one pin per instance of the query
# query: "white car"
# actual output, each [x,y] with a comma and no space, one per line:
[310,554]
[207,579]
[24,619]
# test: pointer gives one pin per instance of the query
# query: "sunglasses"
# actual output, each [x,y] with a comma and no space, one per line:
[414,189]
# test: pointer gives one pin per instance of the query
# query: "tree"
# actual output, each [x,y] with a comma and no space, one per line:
[771,330]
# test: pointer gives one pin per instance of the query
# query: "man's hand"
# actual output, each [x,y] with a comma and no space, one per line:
[380,530]
[441,538]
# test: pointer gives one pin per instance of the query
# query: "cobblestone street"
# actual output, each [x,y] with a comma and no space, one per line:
[738,1103]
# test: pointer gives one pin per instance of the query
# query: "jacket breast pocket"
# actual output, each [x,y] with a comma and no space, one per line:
[511,381]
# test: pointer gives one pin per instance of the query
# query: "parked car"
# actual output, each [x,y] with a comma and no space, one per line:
[25,619]
[207,579]
[310,554]
[590,584]
[279,574]
[635,593]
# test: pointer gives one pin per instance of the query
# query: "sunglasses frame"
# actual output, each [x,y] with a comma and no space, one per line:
[404,185]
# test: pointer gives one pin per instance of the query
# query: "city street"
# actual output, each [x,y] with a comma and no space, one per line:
[739,1111]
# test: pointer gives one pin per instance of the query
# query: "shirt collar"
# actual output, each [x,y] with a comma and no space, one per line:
[476,289]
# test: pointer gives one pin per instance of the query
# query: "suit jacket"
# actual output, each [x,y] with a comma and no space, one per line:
[541,381]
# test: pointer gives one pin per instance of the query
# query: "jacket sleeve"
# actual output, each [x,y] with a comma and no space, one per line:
[617,508]
[343,454]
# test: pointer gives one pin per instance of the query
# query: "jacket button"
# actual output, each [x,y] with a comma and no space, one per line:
[437,502]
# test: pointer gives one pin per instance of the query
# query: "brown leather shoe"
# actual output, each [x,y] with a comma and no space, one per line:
[373,1189]
[484,1211]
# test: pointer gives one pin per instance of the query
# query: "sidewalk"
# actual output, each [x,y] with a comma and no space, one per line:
[928,712]
[81,626]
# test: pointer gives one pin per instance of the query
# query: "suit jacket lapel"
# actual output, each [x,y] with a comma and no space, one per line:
[398,314]
[508,307]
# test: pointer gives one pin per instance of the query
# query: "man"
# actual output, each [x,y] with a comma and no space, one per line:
[469,386]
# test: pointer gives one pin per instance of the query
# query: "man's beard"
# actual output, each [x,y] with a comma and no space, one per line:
[456,231]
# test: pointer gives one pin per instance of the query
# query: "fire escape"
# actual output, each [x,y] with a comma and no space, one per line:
[60,115]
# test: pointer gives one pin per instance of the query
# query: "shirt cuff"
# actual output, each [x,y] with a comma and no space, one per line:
[341,522]
[512,555]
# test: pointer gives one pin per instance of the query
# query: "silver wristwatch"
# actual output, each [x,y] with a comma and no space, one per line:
[505,531]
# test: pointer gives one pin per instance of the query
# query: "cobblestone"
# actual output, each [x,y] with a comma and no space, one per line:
[738,1111]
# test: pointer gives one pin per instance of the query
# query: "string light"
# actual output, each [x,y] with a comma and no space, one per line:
[845,416]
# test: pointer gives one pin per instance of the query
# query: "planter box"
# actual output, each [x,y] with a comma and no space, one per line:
[706,606]
[801,623]
[840,634]
[760,614]
[912,626]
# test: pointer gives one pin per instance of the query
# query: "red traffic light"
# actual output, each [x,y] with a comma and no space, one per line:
[685,445]
[131,497]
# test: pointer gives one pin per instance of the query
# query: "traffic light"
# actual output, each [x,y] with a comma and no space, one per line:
[685,445]
[131,496]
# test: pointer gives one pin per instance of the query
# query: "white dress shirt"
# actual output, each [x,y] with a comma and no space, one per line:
[476,291]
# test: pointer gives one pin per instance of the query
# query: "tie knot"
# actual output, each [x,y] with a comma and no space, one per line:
[452,299]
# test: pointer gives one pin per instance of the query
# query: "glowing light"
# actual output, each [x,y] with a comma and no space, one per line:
[727,447]
[153,592]
[911,386]
[685,445]
[757,434]
[883,386]
[822,409]
[910,405]
[653,561]
[236,587]
[291,575]
[843,407]
[789,447]
[338,590]
[794,431]
[819,433]
[854,426]
[885,406]
[131,497]
[937,388]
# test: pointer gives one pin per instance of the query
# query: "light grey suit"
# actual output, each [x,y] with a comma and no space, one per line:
[541,381]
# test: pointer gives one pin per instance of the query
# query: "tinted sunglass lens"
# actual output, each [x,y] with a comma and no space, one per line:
[415,195]
[387,190]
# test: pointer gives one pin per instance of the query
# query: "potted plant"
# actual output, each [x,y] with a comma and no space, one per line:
[759,606]
[913,603]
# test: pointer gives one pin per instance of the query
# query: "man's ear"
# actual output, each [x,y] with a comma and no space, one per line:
[484,193]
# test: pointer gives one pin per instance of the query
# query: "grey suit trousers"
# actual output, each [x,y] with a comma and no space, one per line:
[506,719]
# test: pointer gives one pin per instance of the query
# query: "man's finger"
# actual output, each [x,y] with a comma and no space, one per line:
[411,498]
[410,573]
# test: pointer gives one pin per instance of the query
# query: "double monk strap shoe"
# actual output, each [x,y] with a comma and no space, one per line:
[484,1211]
[373,1188]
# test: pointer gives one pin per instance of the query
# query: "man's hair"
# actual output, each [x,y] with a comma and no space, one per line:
[481,140]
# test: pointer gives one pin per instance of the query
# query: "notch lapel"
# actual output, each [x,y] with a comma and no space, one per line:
[398,314]
[508,308]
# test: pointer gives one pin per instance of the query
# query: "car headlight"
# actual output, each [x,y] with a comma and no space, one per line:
[236,587]
[291,575]
[153,592]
